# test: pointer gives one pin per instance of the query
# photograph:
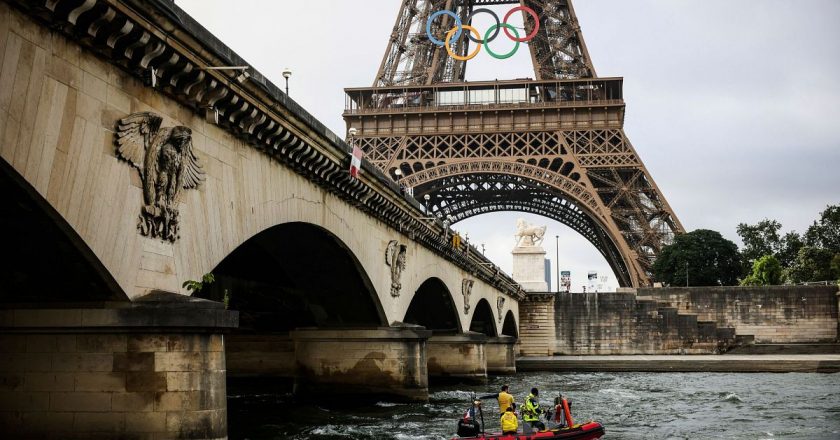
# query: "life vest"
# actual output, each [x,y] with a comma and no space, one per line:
[509,422]
[532,410]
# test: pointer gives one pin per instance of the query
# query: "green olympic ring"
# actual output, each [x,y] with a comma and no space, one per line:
[496,27]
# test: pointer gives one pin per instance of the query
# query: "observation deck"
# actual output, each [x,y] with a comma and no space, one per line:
[486,106]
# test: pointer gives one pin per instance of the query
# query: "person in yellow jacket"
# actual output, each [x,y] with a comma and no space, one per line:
[505,399]
[509,421]
[531,412]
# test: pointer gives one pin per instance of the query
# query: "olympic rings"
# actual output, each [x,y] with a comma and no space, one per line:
[495,17]
[496,27]
[449,48]
[533,33]
[455,33]
[458,26]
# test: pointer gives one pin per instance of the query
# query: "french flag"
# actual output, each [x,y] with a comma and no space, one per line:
[356,162]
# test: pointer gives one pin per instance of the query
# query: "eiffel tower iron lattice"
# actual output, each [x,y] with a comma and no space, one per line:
[553,146]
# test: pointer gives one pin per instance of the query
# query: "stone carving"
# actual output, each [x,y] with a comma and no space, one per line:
[466,291]
[528,234]
[166,162]
[395,258]
[500,304]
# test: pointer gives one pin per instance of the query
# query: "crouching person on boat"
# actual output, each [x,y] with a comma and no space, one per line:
[562,413]
[509,421]
[531,412]
[468,425]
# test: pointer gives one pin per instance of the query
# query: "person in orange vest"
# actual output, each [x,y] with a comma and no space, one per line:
[509,421]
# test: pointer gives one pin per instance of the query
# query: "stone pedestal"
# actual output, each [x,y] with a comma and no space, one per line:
[387,362]
[501,356]
[529,268]
[457,358]
[143,370]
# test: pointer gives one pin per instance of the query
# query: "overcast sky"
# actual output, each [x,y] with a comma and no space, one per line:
[733,105]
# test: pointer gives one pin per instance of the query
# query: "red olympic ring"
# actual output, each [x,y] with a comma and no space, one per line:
[533,33]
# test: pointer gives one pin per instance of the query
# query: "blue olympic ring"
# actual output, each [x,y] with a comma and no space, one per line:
[437,14]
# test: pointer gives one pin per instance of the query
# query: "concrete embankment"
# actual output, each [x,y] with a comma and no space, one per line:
[824,363]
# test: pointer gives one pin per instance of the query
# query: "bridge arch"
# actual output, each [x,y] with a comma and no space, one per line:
[51,262]
[434,308]
[509,327]
[293,275]
[483,320]
[495,189]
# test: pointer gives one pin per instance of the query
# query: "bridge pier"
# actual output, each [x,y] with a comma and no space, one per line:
[501,356]
[144,369]
[385,362]
[260,356]
[459,357]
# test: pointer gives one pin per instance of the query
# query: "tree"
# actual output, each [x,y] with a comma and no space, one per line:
[811,264]
[835,267]
[709,259]
[759,239]
[790,246]
[825,233]
[766,271]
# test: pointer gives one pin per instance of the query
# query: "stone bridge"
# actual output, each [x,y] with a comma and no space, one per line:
[129,167]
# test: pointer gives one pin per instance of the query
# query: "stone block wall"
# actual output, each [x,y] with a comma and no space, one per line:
[536,325]
[115,385]
[614,323]
[386,362]
[677,320]
[265,356]
[775,314]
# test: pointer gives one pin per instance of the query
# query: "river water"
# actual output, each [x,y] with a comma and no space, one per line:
[630,405]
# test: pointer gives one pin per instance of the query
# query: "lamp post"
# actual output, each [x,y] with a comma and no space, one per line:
[557,260]
[686,274]
[287,73]
[426,199]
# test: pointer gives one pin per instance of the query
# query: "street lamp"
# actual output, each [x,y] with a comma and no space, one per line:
[426,199]
[557,260]
[287,73]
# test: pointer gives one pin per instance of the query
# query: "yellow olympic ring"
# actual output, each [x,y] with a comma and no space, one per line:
[449,36]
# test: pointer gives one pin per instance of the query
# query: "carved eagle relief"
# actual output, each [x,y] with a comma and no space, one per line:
[167,163]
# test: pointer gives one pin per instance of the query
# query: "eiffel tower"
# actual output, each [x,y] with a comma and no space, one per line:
[553,146]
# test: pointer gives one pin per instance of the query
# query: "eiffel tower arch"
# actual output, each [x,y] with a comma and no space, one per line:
[554,145]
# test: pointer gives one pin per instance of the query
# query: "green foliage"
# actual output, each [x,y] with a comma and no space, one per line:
[759,239]
[812,264]
[835,267]
[196,286]
[825,232]
[709,259]
[790,246]
[766,271]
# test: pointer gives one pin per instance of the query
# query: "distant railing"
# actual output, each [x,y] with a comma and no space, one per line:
[484,106]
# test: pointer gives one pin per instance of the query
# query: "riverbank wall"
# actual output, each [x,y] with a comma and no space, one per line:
[693,320]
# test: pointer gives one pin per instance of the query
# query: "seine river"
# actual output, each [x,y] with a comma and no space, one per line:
[630,405]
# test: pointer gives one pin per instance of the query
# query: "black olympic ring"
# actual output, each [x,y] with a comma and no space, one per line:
[495,17]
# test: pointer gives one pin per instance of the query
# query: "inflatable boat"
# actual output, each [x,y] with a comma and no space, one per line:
[584,431]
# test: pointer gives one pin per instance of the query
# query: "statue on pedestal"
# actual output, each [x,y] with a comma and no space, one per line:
[528,234]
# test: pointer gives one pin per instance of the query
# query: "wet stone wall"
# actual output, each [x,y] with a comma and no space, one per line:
[700,320]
